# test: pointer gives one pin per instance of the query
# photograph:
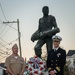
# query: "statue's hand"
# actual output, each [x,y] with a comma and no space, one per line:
[41,34]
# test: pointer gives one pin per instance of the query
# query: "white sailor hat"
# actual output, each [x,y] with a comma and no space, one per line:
[56,38]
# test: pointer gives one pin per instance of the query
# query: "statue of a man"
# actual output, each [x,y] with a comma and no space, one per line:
[45,31]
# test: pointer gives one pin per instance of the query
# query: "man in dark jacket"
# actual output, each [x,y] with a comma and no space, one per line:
[56,58]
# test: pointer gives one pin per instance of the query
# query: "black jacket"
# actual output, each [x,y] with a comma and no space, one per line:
[56,61]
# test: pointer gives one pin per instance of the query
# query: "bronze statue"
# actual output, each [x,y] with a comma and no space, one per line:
[45,32]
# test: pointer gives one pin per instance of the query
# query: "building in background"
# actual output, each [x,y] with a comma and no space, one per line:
[2,69]
[71,62]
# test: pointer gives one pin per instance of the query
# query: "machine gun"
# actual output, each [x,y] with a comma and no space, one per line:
[38,35]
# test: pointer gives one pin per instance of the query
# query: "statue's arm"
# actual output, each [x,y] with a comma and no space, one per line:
[54,23]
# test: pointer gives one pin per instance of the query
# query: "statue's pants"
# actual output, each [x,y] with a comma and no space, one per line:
[40,43]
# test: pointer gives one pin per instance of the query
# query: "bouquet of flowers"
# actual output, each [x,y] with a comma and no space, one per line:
[35,66]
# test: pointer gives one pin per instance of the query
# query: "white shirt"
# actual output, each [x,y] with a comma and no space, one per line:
[16,57]
[55,49]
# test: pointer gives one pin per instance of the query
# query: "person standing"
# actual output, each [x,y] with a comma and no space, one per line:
[56,58]
[15,64]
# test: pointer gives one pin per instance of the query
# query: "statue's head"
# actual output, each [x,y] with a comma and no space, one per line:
[45,10]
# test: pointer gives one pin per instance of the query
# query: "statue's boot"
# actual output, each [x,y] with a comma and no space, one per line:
[38,52]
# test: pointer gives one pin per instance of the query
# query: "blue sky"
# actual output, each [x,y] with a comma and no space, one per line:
[29,12]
